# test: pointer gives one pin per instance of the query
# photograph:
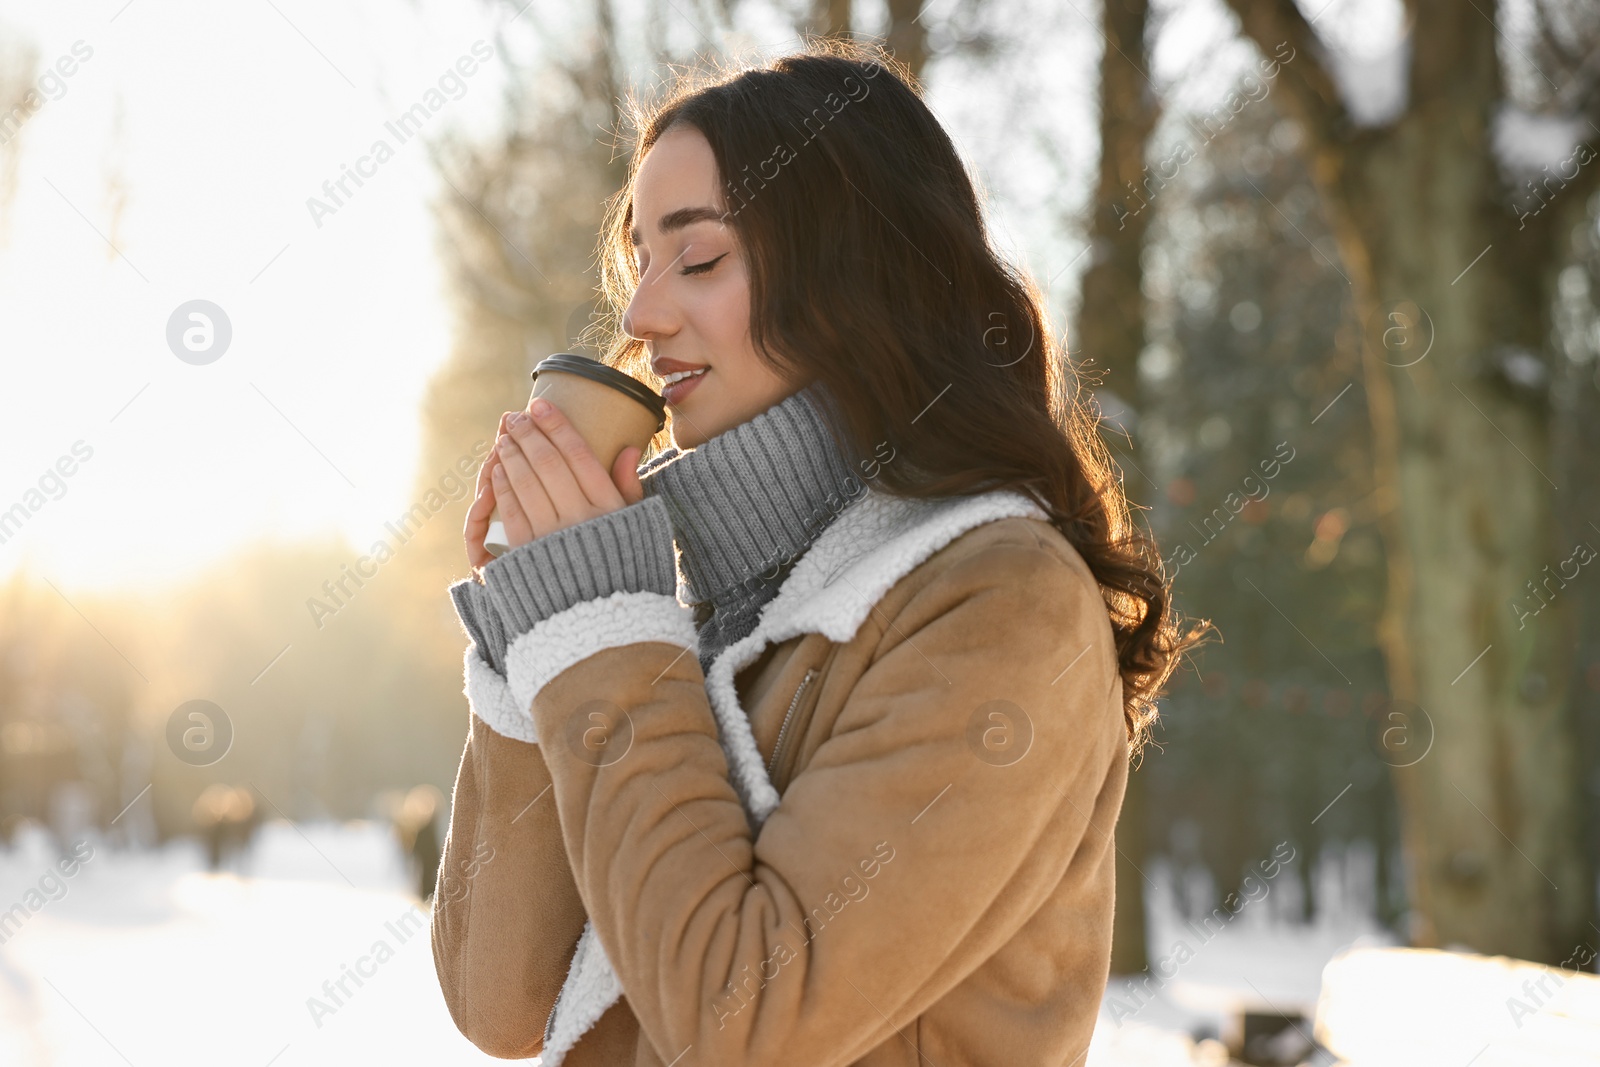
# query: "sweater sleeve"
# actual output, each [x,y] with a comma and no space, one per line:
[481,621]
[629,550]
[952,797]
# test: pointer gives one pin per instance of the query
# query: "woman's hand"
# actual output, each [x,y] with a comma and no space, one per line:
[544,478]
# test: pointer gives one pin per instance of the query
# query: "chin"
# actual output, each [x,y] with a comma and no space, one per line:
[685,435]
[701,419]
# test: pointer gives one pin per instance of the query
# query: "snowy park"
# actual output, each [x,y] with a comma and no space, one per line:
[1198,397]
[144,956]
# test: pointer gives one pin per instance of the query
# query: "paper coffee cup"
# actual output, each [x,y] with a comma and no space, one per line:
[610,410]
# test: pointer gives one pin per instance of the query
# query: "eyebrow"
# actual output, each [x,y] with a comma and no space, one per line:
[683,216]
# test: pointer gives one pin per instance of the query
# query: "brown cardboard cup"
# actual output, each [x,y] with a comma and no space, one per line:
[609,409]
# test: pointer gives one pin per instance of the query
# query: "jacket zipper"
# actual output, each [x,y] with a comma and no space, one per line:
[783,730]
[550,1020]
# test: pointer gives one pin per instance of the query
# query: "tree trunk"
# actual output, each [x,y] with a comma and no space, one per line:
[1492,814]
[1456,294]
[830,18]
[1111,328]
[908,36]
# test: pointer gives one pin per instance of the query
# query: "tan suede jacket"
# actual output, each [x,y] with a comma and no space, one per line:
[879,831]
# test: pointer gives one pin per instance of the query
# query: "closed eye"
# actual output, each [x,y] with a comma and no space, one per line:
[700,268]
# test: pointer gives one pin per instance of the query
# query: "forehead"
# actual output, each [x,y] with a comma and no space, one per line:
[676,185]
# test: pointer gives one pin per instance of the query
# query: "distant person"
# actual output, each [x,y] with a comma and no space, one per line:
[244,816]
[415,820]
[425,857]
[226,817]
[210,812]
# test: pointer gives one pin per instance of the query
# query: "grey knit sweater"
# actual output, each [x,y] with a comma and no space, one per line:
[740,509]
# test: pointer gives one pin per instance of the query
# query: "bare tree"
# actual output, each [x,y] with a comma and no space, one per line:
[830,18]
[906,36]
[1454,277]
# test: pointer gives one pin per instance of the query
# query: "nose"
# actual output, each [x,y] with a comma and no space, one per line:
[650,315]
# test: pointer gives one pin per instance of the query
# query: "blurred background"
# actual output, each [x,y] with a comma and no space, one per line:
[270,271]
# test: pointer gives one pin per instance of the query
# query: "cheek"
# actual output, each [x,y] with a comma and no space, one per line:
[718,314]
[721,318]
[724,312]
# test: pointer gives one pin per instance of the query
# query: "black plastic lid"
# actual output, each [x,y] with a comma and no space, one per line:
[594,370]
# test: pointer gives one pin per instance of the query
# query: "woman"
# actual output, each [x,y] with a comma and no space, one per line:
[869,820]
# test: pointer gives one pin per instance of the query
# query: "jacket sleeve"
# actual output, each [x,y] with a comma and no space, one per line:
[506,912]
[944,808]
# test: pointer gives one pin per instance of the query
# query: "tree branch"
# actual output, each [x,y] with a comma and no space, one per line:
[1540,235]
[1308,88]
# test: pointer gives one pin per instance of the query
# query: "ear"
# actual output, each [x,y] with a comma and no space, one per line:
[625,474]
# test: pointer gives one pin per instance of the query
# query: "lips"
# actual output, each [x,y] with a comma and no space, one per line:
[674,393]
[664,366]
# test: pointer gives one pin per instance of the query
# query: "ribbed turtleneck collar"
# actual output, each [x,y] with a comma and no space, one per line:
[753,497]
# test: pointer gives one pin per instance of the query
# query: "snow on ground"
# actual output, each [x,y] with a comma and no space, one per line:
[1259,959]
[148,959]
[145,958]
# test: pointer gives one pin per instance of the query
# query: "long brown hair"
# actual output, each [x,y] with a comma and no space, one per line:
[870,270]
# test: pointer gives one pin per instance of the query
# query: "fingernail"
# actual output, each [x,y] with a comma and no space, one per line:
[519,419]
[540,408]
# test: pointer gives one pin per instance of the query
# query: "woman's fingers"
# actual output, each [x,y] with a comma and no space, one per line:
[486,468]
[535,513]
[543,476]
[585,488]
[476,527]
[519,528]
[625,474]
